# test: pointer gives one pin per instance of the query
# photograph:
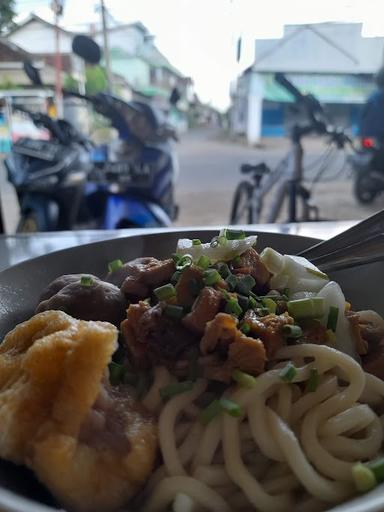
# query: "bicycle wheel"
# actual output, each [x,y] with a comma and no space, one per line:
[241,210]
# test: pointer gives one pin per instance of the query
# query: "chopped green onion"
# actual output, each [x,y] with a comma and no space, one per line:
[234,234]
[221,240]
[116,373]
[196,241]
[184,262]
[292,331]
[211,276]
[288,373]
[176,257]
[270,305]
[243,302]
[176,276]
[313,381]
[175,312]
[306,308]
[244,379]
[236,262]
[165,292]
[252,304]
[245,328]
[330,337]
[223,270]
[231,281]
[203,262]
[332,318]
[232,307]
[317,273]
[377,466]
[262,311]
[286,292]
[86,281]
[363,477]
[210,412]
[244,284]
[115,265]
[176,389]
[231,407]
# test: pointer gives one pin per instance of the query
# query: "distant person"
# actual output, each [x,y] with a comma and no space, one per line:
[372,116]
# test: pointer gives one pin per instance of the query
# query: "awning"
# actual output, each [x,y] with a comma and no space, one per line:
[327,88]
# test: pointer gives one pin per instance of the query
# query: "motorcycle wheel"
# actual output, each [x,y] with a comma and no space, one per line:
[365,188]
[27,224]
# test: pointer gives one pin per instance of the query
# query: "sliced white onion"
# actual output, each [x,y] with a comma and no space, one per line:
[333,296]
[293,272]
[222,252]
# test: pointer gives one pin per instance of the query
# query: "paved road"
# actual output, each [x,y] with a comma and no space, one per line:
[209,173]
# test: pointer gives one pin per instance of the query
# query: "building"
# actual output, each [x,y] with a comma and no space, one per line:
[333,61]
[12,74]
[139,70]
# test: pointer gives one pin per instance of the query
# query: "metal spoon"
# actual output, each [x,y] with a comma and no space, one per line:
[359,245]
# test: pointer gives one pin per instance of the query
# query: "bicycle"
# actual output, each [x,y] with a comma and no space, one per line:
[247,203]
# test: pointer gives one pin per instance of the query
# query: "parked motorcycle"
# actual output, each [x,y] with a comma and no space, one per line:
[368,166]
[49,176]
[60,187]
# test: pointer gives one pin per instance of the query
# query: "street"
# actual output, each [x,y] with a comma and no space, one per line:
[209,173]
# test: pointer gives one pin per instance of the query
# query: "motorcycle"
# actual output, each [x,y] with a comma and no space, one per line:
[49,176]
[59,185]
[368,166]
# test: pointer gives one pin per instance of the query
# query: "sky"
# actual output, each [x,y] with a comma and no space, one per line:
[200,37]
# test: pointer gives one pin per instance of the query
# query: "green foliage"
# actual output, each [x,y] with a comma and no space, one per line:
[7,84]
[7,14]
[71,83]
[96,80]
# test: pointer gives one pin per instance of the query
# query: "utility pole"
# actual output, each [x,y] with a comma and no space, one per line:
[57,7]
[106,46]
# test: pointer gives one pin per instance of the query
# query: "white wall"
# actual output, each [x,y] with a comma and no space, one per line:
[255,109]
[36,37]
[128,39]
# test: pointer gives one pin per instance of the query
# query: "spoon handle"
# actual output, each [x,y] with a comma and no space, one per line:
[367,250]
[365,229]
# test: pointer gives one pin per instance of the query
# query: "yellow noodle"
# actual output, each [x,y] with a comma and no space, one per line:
[167,425]
[315,484]
[166,490]
[153,401]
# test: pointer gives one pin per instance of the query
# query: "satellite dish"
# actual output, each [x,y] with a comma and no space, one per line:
[87,49]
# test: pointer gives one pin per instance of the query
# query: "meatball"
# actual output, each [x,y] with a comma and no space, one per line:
[96,300]
[62,281]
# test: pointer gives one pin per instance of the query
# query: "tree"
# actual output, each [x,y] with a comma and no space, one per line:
[7,14]
[95,80]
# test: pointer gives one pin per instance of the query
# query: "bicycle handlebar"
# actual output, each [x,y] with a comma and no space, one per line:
[283,81]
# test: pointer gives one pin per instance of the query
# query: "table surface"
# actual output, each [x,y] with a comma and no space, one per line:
[20,247]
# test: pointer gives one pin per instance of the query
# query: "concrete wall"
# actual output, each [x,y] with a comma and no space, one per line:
[36,37]
[134,70]
[128,38]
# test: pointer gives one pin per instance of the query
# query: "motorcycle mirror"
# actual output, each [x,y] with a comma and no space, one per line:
[87,49]
[32,73]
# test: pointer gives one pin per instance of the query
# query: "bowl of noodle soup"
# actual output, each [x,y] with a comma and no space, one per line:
[297,435]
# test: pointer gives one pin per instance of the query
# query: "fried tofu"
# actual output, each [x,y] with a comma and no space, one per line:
[92,445]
